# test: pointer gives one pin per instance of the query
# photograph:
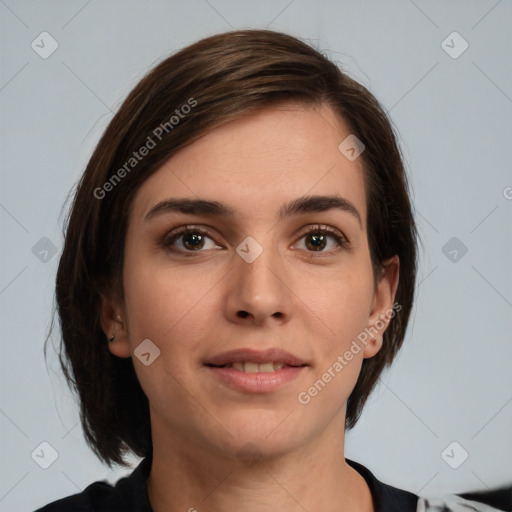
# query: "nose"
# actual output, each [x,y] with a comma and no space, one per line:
[258,293]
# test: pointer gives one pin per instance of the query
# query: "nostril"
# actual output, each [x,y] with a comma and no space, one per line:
[243,314]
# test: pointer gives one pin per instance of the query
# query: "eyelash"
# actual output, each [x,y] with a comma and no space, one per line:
[170,238]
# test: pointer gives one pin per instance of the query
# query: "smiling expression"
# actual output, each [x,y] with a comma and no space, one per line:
[249,247]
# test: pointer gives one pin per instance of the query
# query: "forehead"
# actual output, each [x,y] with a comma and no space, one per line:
[260,161]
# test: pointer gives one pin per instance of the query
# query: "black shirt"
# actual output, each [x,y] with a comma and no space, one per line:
[130,494]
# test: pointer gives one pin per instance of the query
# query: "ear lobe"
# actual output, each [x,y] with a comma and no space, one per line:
[114,328]
[382,307]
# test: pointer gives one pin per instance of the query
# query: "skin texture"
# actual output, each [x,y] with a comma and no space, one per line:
[310,303]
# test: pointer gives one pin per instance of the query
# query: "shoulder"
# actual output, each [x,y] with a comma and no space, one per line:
[386,497]
[82,502]
[391,499]
[129,494]
[452,503]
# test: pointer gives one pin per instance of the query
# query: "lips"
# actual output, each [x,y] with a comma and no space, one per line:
[247,359]
[255,371]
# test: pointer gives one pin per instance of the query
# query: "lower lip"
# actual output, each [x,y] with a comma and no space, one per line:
[261,382]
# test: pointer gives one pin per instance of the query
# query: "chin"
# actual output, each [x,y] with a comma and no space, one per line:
[261,434]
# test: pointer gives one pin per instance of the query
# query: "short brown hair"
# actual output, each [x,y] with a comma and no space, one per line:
[222,78]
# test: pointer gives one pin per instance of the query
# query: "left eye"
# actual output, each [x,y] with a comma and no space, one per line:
[322,240]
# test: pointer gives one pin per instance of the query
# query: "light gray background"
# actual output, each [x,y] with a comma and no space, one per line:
[452,380]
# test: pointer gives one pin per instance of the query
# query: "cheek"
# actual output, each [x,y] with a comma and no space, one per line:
[166,304]
[342,305]
[341,302]
[170,308]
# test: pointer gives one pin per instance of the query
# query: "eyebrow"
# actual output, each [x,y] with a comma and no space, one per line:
[302,205]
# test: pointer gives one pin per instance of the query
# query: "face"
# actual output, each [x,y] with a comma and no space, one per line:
[247,268]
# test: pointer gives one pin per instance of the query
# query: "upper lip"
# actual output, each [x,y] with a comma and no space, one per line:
[271,355]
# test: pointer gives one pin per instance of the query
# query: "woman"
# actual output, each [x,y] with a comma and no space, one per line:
[239,267]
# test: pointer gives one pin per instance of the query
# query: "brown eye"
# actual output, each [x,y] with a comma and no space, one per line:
[193,241]
[316,241]
[323,239]
[189,240]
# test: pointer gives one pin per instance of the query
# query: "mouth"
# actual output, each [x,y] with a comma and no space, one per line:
[253,361]
[253,371]
[252,367]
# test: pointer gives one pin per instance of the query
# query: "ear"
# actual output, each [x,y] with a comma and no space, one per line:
[113,323]
[382,310]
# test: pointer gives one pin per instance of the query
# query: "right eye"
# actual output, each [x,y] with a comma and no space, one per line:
[189,239]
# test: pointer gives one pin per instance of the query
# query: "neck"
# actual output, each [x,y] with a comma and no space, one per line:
[187,477]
